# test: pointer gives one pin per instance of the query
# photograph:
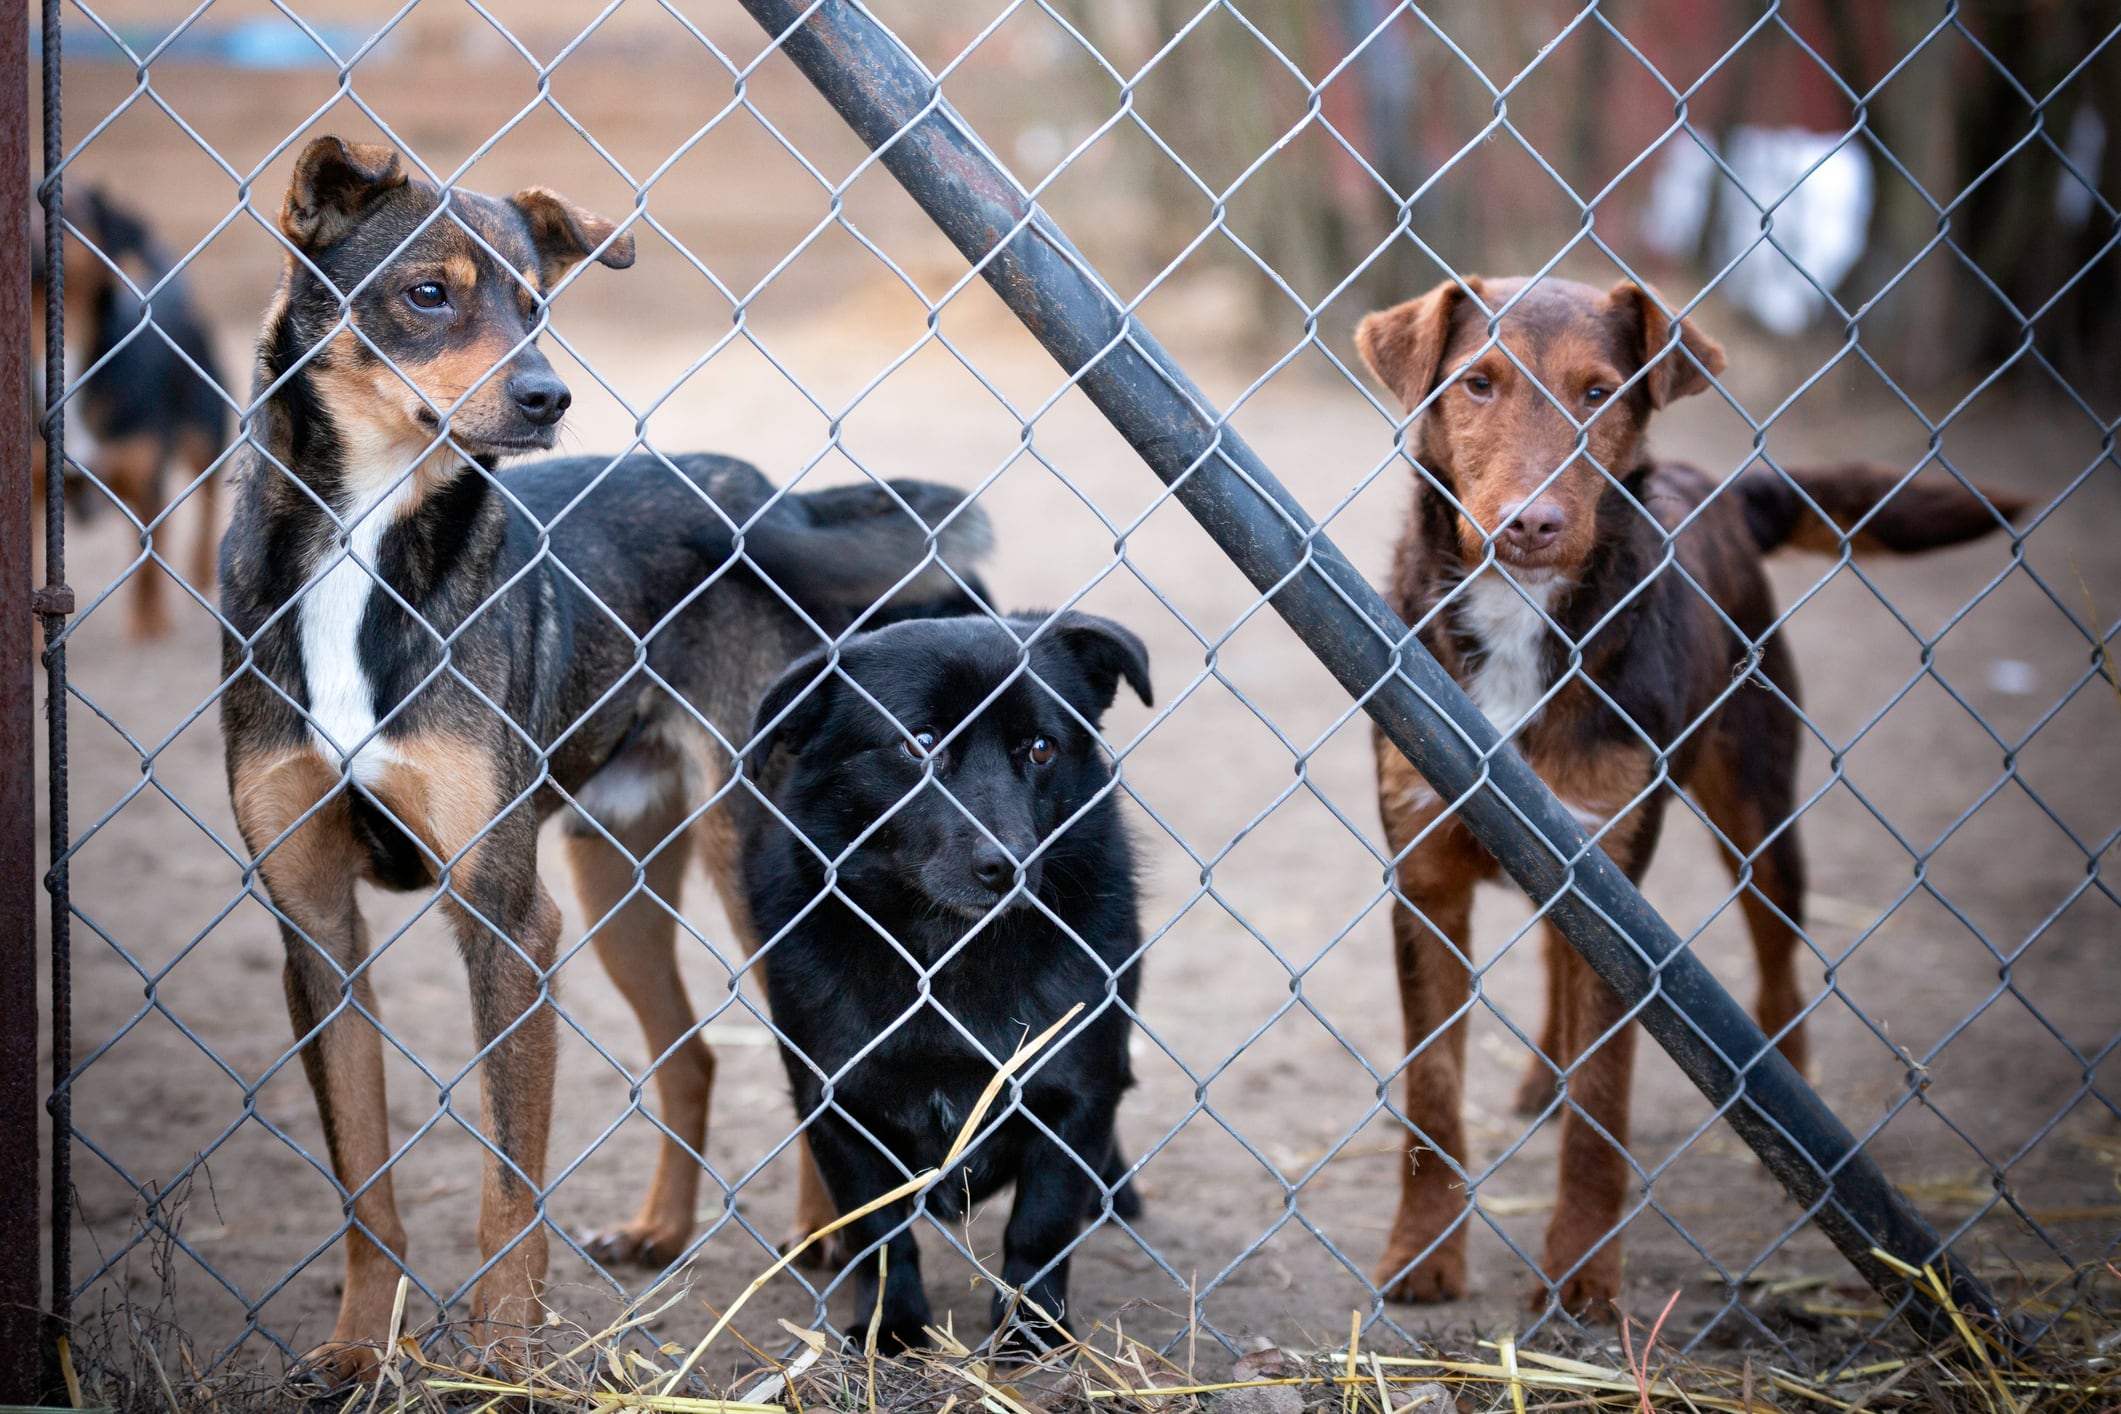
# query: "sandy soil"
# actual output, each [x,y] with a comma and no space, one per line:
[1964,938]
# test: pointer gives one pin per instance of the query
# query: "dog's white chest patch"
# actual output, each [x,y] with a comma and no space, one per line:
[1511,674]
[342,698]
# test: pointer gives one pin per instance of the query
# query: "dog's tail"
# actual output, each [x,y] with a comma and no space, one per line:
[847,547]
[1863,510]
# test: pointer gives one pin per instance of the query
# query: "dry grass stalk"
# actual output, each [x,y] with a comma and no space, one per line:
[1104,1370]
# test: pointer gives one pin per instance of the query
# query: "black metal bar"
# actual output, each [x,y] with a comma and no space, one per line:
[893,104]
[21,1292]
[55,601]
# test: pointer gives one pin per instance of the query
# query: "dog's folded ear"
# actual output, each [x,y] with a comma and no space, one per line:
[1679,371]
[334,179]
[1106,652]
[1403,346]
[566,235]
[786,714]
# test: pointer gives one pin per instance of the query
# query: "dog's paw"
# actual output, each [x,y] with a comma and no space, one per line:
[827,1254]
[1588,1293]
[332,1366]
[1441,1277]
[637,1243]
[896,1337]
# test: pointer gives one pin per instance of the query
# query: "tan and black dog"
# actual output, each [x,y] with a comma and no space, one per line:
[1588,553]
[428,659]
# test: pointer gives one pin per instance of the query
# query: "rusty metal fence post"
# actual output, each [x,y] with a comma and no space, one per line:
[21,1306]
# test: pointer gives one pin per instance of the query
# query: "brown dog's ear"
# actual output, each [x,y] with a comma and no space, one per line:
[1403,345]
[565,234]
[1681,371]
[333,180]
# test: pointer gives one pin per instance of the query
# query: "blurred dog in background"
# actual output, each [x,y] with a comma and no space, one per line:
[149,387]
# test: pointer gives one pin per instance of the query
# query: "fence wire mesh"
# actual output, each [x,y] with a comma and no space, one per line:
[1898,223]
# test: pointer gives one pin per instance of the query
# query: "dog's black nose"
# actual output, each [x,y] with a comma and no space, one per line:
[541,397]
[1534,525]
[993,867]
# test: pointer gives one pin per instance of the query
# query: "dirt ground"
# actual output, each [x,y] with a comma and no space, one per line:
[1964,935]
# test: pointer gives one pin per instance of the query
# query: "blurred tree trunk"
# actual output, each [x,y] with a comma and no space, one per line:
[1949,118]
[1911,325]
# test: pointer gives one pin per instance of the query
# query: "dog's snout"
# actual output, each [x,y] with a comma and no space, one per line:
[540,396]
[1532,525]
[993,867]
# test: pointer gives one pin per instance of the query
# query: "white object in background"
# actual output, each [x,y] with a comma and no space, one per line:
[1679,199]
[2013,677]
[2085,148]
[1818,191]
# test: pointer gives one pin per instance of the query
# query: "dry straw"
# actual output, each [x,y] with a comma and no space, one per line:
[1102,1370]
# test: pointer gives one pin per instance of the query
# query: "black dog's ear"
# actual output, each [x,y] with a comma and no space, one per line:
[565,234]
[802,717]
[333,180]
[1107,653]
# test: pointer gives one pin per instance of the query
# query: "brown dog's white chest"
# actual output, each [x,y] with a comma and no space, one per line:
[1510,669]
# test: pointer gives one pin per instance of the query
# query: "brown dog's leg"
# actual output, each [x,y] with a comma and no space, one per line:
[1595,1170]
[132,469]
[1583,1239]
[1746,785]
[1773,902]
[310,876]
[1536,1090]
[1438,879]
[637,944]
[721,851]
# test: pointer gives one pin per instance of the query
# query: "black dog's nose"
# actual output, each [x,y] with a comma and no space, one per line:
[540,397]
[993,867]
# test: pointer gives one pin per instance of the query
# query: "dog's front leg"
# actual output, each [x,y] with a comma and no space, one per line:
[1432,938]
[1583,1236]
[855,1173]
[508,929]
[309,870]
[1053,1191]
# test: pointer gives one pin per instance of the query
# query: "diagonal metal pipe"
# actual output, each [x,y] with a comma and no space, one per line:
[894,105]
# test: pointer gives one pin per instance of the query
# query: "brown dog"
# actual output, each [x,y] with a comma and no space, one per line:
[1577,555]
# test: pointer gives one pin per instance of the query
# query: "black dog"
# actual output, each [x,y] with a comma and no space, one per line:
[978,831]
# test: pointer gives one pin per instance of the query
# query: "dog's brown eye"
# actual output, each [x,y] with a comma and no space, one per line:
[919,745]
[428,294]
[1040,751]
[1479,385]
[1595,396]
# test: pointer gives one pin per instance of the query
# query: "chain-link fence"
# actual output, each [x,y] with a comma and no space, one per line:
[1891,240]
